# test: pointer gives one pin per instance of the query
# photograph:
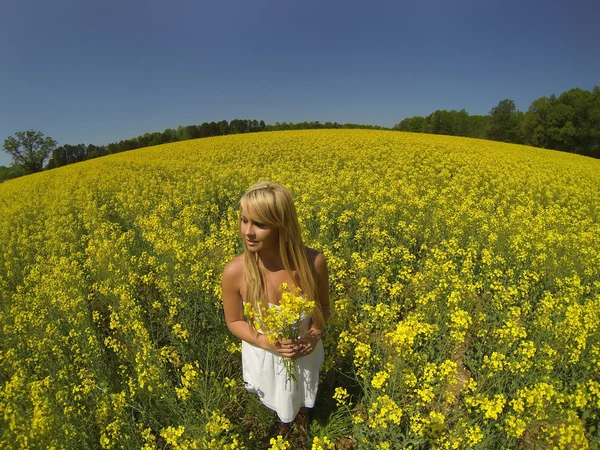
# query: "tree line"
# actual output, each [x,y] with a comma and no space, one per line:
[30,149]
[570,123]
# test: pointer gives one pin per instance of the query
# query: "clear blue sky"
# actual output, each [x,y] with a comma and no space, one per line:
[101,71]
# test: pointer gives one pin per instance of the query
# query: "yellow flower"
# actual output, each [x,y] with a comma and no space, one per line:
[283,322]
[474,435]
[279,444]
[380,378]
[382,411]
[340,396]
[322,443]
[172,435]
[459,247]
[217,424]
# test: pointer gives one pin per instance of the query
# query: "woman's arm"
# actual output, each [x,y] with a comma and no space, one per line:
[234,311]
[308,343]
[322,288]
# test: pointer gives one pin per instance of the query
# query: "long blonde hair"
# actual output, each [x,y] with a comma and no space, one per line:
[272,204]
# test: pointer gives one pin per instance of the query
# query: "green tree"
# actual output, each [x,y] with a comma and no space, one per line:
[440,122]
[213,129]
[167,136]
[535,123]
[577,133]
[594,123]
[30,149]
[478,126]
[95,151]
[14,171]
[67,154]
[186,133]
[414,124]
[237,126]
[504,122]
[223,127]
[461,123]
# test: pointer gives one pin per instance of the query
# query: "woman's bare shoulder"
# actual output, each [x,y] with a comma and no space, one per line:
[234,269]
[315,258]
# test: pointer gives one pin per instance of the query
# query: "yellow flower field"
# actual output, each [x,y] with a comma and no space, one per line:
[465,288]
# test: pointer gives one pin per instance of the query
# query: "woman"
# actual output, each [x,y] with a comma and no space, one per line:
[274,254]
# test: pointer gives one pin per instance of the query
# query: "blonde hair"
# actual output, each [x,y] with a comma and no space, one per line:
[272,204]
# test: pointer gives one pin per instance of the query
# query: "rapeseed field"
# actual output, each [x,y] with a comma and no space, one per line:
[465,291]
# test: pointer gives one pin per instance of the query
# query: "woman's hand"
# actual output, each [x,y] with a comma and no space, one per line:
[293,348]
[305,345]
[284,349]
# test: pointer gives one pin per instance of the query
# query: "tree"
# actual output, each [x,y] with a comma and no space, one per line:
[535,123]
[594,118]
[504,122]
[30,149]
[478,126]
[223,127]
[95,151]
[190,132]
[167,136]
[14,171]
[237,126]
[213,129]
[461,123]
[67,154]
[440,122]
[416,124]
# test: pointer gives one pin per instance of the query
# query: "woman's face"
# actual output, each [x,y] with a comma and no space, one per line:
[258,236]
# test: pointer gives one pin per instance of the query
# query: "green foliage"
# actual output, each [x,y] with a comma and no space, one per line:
[30,149]
[570,123]
[14,171]
[67,154]
[504,122]
[454,123]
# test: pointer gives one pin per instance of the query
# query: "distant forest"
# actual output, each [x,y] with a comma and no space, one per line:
[69,154]
[570,123]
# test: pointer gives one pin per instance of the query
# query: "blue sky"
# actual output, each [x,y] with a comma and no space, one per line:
[98,72]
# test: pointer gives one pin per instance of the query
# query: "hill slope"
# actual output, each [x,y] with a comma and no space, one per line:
[464,283]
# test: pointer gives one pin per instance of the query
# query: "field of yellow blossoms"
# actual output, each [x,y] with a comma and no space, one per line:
[465,289]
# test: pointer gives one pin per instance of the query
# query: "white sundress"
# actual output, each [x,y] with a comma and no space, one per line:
[265,375]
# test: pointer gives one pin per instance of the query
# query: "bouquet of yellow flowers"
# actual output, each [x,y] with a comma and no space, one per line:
[281,323]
